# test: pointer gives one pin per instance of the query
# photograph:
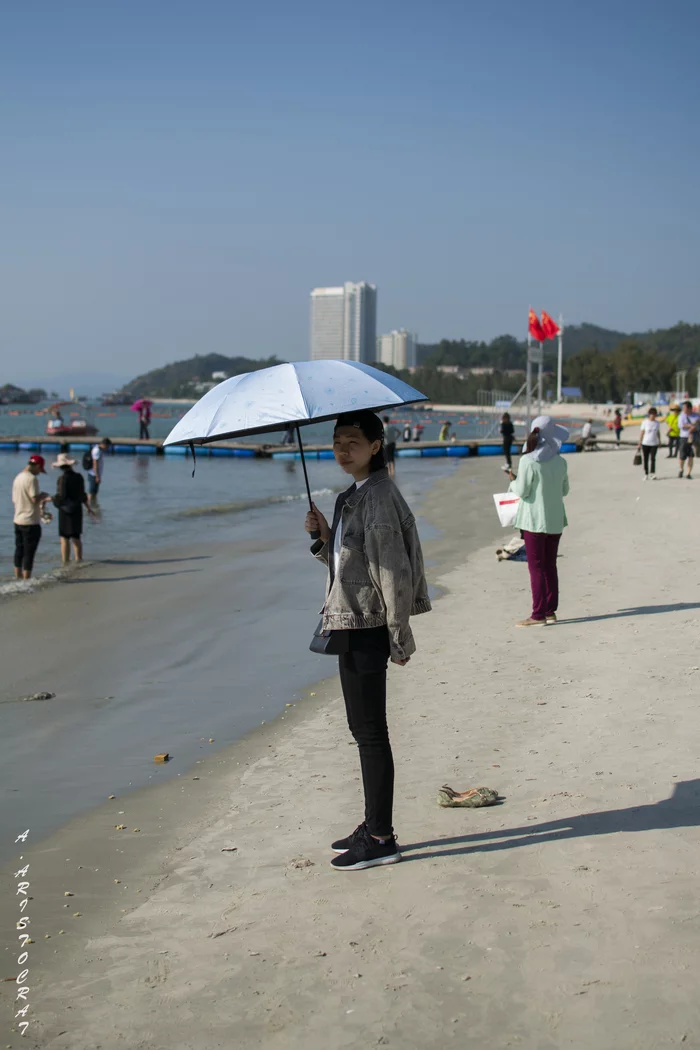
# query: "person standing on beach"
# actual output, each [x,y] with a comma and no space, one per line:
[69,499]
[445,431]
[376,582]
[542,483]
[649,441]
[391,436]
[617,425]
[508,435]
[95,471]
[417,431]
[407,432]
[687,423]
[674,433]
[28,500]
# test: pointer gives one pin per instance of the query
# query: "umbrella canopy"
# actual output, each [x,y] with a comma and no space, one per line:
[297,394]
[294,394]
[143,402]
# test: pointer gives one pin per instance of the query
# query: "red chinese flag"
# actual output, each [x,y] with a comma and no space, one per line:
[534,327]
[549,327]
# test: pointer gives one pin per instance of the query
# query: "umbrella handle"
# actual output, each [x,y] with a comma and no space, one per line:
[314,535]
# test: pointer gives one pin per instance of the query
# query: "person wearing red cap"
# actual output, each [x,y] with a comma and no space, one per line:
[28,500]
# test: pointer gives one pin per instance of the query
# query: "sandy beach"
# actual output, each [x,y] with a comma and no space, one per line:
[565,917]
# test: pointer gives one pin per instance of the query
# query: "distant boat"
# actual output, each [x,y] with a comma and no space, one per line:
[57,427]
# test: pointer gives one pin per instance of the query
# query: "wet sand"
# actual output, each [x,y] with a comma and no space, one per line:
[586,938]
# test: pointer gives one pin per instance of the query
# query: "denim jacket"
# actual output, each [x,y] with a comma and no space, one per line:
[380,579]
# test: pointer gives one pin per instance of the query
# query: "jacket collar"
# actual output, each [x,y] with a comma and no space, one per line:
[374,479]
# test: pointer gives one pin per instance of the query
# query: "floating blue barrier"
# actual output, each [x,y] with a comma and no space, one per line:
[10,446]
[458,450]
[177,450]
[490,450]
[569,447]
[79,446]
[52,446]
[123,449]
[29,446]
[326,453]
[286,455]
[409,453]
[432,452]
[146,450]
[244,453]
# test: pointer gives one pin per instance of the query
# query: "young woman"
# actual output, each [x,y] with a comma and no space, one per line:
[542,483]
[649,441]
[508,435]
[70,499]
[376,582]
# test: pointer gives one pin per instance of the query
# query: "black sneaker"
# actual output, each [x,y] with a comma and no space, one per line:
[343,845]
[367,852]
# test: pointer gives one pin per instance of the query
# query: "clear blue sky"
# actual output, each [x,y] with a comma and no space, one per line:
[176,176]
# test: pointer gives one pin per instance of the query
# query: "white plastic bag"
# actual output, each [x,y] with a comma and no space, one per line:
[506,507]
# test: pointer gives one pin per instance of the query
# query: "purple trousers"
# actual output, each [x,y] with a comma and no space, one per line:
[542,548]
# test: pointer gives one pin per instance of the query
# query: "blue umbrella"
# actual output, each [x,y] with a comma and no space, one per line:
[294,394]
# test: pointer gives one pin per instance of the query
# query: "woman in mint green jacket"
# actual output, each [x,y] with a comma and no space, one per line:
[542,483]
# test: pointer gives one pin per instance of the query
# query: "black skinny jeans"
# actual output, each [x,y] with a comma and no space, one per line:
[363,678]
[506,452]
[649,453]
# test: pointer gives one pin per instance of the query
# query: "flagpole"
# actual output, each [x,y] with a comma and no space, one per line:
[539,380]
[528,383]
[560,356]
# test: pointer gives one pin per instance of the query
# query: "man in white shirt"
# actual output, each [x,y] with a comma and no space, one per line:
[95,471]
[589,438]
[28,500]
[688,422]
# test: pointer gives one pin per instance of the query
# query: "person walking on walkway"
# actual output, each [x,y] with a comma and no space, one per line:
[617,425]
[508,435]
[144,421]
[70,499]
[376,582]
[674,433]
[28,500]
[649,441]
[687,422]
[542,483]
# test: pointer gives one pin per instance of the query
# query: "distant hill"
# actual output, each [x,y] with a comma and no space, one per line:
[588,351]
[507,352]
[181,378]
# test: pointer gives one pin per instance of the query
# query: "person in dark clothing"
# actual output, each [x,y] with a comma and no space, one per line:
[508,434]
[376,582]
[70,499]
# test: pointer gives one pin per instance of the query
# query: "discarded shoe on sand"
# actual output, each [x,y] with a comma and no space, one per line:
[471,799]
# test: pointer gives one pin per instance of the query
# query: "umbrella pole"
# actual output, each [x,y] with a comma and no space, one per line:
[314,535]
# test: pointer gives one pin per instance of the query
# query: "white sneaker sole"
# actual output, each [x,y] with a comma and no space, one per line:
[376,863]
[340,851]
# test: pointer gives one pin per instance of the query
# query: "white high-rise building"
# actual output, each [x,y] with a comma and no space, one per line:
[397,349]
[344,322]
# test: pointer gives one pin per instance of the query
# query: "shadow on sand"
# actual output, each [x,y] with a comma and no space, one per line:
[641,610]
[681,810]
